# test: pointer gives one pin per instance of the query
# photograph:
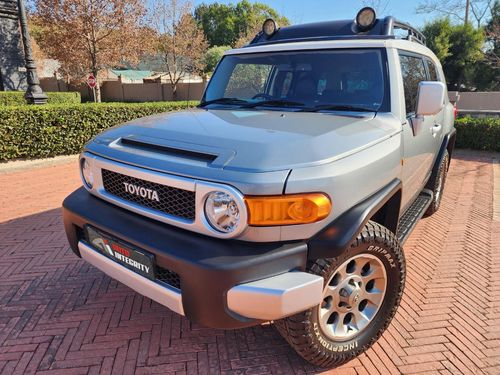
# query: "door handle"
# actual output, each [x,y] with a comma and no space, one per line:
[436,129]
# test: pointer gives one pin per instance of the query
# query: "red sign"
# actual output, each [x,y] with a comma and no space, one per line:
[91,81]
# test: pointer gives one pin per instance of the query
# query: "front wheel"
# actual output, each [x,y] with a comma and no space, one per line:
[362,290]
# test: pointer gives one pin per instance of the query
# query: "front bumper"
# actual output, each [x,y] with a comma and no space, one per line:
[224,283]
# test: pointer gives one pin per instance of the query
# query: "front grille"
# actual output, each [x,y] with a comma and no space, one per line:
[171,201]
[168,277]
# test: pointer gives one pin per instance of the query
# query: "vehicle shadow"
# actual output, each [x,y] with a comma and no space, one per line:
[74,316]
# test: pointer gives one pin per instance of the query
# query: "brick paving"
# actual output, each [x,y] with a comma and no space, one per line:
[59,315]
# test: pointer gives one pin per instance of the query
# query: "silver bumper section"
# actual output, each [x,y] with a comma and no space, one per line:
[267,299]
[276,297]
[161,294]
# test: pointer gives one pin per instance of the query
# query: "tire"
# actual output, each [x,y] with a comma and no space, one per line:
[437,186]
[304,331]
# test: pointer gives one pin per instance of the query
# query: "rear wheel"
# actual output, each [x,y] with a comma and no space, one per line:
[362,289]
[438,186]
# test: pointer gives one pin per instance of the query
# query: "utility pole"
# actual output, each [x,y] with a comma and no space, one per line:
[467,6]
[34,94]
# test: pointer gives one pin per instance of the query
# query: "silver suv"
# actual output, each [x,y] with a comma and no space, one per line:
[287,195]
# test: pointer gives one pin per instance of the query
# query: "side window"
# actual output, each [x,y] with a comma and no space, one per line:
[433,74]
[413,70]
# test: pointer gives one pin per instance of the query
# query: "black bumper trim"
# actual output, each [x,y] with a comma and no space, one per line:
[208,267]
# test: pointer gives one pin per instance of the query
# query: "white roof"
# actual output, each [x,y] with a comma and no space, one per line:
[332,44]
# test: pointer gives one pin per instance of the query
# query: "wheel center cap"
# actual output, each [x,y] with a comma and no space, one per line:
[349,294]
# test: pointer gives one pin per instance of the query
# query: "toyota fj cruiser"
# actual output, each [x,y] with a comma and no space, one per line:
[287,195]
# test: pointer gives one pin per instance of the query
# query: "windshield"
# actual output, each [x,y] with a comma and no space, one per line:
[304,80]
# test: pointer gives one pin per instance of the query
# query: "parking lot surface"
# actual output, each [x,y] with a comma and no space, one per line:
[59,315]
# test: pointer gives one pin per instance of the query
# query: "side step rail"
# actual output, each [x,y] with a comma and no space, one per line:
[413,214]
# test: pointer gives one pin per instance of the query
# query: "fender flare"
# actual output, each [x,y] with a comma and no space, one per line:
[338,235]
[448,144]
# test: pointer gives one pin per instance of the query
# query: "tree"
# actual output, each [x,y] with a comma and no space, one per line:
[487,74]
[466,45]
[226,24]
[252,17]
[180,42]
[219,23]
[91,35]
[457,10]
[212,58]
[458,47]
[493,36]
[438,35]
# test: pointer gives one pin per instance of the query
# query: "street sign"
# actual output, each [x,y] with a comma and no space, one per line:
[91,81]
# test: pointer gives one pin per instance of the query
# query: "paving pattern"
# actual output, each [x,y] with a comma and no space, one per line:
[59,315]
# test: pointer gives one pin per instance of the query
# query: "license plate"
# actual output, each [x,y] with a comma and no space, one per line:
[132,258]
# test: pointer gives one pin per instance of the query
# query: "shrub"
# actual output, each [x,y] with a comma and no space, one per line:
[478,133]
[17,98]
[44,131]
[51,130]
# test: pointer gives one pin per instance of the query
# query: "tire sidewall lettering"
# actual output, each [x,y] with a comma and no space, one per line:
[330,345]
[384,254]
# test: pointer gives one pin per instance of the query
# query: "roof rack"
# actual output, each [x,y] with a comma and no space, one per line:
[391,24]
[340,30]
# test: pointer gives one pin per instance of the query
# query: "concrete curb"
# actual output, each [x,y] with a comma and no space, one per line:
[22,165]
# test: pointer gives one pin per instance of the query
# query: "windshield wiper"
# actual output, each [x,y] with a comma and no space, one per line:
[274,103]
[338,107]
[234,101]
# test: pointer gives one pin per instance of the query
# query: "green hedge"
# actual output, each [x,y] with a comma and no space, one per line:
[17,98]
[51,130]
[478,133]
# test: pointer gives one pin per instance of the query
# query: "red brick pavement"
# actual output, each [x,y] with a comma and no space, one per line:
[59,315]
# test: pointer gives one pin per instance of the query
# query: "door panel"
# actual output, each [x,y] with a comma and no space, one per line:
[419,150]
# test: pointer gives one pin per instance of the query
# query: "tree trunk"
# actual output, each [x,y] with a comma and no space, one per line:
[174,92]
[467,6]
[97,92]
[97,89]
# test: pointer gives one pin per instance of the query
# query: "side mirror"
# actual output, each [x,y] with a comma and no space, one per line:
[430,102]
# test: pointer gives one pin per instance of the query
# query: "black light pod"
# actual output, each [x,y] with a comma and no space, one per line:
[366,18]
[269,27]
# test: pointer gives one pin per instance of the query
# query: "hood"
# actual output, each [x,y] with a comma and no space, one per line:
[249,140]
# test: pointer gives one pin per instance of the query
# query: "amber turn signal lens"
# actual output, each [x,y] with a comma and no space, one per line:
[287,209]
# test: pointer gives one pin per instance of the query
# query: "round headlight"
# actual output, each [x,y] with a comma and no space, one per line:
[366,18]
[222,212]
[269,27]
[87,175]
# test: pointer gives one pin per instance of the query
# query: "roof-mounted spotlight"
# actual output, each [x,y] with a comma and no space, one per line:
[366,18]
[269,27]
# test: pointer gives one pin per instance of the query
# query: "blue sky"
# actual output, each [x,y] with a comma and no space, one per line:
[302,11]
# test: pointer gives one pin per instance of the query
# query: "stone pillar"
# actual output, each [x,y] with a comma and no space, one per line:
[12,65]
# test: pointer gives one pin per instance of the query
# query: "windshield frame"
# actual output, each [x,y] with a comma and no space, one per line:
[384,107]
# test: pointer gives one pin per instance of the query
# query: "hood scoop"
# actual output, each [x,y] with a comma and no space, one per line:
[169,151]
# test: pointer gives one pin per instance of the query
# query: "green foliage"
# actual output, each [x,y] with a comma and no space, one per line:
[224,24]
[460,49]
[478,133]
[438,37]
[50,130]
[487,74]
[212,58]
[17,98]
[465,51]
